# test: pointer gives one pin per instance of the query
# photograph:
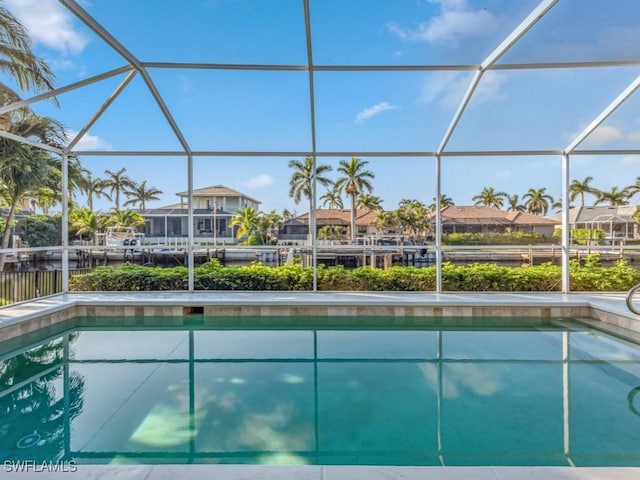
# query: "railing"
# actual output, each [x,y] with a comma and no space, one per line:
[630,295]
[23,286]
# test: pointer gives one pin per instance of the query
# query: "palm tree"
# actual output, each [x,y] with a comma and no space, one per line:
[633,189]
[118,182]
[445,201]
[125,218]
[86,223]
[141,194]
[489,198]
[18,62]
[355,181]
[24,168]
[367,201]
[412,216]
[93,187]
[332,199]
[300,183]
[613,197]
[580,188]
[247,220]
[514,203]
[537,201]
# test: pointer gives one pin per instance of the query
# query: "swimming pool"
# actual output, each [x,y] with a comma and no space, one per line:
[552,395]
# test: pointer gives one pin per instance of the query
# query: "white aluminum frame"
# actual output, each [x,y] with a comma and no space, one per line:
[135,66]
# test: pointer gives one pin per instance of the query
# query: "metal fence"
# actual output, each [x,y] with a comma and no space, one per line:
[22,286]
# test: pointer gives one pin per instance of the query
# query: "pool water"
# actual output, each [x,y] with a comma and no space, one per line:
[563,395]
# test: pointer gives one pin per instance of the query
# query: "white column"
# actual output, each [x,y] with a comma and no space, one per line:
[565,225]
[65,223]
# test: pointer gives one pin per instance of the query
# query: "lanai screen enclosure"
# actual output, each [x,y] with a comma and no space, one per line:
[434,94]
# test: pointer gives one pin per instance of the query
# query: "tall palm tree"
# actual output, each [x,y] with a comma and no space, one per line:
[18,62]
[488,197]
[580,188]
[537,201]
[514,203]
[93,187]
[332,199]
[613,197]
[366,201]
[141,194]
[247,220]
[355,181]
[300,184]
[118,182]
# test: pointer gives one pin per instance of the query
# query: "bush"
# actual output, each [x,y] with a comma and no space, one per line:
[513,238]
[480,277]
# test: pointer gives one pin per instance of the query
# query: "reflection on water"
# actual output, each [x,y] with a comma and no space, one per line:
[386,397]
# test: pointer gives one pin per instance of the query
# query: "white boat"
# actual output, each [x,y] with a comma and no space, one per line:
[120,236]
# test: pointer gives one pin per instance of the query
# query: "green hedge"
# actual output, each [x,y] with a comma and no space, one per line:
[480,277]
[513,238]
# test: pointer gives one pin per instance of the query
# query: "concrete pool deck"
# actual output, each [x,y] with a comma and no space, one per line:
[605,311]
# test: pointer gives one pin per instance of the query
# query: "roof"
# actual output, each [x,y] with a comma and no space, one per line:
[600,213]
[217,191]
[477,215]
[329,216]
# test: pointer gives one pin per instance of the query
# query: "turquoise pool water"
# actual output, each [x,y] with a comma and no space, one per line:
[554,396]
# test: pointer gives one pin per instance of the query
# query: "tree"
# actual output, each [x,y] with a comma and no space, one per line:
[355,181]
[124,218]
[25,168]
[367,201]
[580,188]
[489,198]
[633,189]
[118,182]
[247,220]
[42,230]
[140,193]
[332,232]
[93,187]
[300,184]
[18,62]
[537,201]
[86,223]
[514,203]
[445,201]
[412,215]
[332,199]
[613,197]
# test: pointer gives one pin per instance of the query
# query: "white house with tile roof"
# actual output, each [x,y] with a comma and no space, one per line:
[213,208]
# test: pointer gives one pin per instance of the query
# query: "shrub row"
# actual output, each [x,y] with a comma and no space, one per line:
[481,277]
[512,238]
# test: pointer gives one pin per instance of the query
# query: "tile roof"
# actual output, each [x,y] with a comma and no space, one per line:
[328,216]
[217,191]
[477,215]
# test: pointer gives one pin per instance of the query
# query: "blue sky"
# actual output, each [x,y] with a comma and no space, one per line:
[355,111]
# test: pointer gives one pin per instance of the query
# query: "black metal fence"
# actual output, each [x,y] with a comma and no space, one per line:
[22,286]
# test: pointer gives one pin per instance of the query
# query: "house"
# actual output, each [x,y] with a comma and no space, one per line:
[213,208]
[615,221]
[476,219]
[296,230]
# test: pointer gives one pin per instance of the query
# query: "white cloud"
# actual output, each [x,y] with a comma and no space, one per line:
[262,180]
[456,20]
[89,142]
[448,88]
[605,134]
[630,161]
[367,113]
[49,24]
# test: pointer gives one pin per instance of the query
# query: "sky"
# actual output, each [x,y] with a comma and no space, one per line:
[231,110]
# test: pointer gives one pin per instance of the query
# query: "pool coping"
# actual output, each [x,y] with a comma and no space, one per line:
[606,311]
